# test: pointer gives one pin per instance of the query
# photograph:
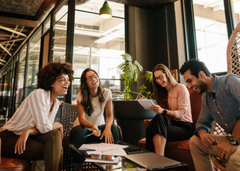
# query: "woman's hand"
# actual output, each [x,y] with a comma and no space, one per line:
[108,136]
[96,131]
[20,146]
[156,109]
[142,98]
[58,126]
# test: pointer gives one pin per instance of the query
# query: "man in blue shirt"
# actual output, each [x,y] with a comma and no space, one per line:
[220,102]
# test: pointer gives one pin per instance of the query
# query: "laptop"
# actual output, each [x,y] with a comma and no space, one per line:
[152,161]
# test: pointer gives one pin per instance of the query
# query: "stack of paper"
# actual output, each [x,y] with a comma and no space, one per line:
[104,149]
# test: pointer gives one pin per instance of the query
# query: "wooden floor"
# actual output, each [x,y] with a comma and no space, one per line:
[38,165]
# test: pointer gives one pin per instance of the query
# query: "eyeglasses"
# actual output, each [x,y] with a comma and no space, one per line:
[89,78]
[160,77]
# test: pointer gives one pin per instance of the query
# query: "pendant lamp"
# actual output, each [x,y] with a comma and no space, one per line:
[105,11]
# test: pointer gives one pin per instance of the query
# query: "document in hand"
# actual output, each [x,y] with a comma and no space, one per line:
[146,103]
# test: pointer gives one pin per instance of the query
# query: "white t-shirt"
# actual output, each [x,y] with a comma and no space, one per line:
[34,112]
[96,117]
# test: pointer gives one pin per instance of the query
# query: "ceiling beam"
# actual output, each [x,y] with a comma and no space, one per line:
[1,60]
[17,21]
[5,49]
[13,31]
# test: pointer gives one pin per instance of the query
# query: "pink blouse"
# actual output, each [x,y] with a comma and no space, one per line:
[179,102]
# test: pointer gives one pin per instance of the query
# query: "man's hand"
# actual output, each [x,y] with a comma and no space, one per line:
[224,150]
[207,139]
[108,136]
[20,146]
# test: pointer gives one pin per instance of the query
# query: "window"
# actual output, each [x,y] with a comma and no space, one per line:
[98,43]
[211,34]
[20,80]
[33,60]
[59,36]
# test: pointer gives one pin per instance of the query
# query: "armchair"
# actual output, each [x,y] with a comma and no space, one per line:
[179,150]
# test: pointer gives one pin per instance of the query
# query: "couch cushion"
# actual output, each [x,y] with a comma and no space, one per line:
[184,144]
[196,103]
[142,143]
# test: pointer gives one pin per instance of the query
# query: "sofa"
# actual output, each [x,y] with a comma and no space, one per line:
[179,150]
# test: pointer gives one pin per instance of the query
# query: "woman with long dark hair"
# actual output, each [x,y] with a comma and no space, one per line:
[92,99]
[173,121]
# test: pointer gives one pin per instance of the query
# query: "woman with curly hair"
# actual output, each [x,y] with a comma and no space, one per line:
[91,101]
[31,134]
[173,121]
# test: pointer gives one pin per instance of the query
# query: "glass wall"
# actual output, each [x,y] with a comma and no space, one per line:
[20,76]
[236,9]
[1,90]
[33,61]
[98,43]
[211,34]
[60,35]
[5,90]
[11,87]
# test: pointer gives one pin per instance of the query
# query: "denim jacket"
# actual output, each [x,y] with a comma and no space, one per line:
[221,105]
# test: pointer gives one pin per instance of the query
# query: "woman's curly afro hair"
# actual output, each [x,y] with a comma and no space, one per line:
[49,73]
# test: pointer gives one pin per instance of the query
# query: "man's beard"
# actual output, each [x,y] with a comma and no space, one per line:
[202,87]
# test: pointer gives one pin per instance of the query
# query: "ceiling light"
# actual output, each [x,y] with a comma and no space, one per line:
[105,11]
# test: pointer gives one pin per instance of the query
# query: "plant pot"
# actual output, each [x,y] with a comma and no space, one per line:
[130,117]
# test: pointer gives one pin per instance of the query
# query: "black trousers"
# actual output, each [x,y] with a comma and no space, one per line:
[171,130]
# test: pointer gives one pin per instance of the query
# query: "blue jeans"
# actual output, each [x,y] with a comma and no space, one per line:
[78,132]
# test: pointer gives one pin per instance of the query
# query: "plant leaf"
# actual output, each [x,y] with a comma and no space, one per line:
[127,57]
[149,76]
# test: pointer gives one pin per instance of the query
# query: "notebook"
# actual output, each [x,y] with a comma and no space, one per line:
[151,160]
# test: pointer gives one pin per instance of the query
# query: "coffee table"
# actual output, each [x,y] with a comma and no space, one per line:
[125,164]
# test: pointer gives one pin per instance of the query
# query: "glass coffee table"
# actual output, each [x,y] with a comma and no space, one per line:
[125,164]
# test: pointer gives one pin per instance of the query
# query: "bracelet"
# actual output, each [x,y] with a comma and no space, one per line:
[164,112]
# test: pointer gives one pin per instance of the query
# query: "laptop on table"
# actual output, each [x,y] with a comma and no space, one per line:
[152,161]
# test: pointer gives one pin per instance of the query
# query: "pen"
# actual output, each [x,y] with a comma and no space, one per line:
[88,135]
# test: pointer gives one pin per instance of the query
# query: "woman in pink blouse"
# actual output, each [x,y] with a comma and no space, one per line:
[173,121]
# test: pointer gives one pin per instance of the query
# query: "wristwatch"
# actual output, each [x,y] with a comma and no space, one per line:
[164,112]
[233,141]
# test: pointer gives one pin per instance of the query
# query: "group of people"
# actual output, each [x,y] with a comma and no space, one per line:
[31,133]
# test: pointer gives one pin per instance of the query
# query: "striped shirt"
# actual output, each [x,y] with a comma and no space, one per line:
[34,112]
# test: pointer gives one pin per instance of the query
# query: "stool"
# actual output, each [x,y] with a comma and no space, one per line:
[14,164]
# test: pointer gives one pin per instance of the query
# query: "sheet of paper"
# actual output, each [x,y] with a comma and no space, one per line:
[112,152]
[115,161]
[101,146]
[146,103]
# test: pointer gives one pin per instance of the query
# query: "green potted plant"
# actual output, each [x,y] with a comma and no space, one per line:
[130,73]
[129,113]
